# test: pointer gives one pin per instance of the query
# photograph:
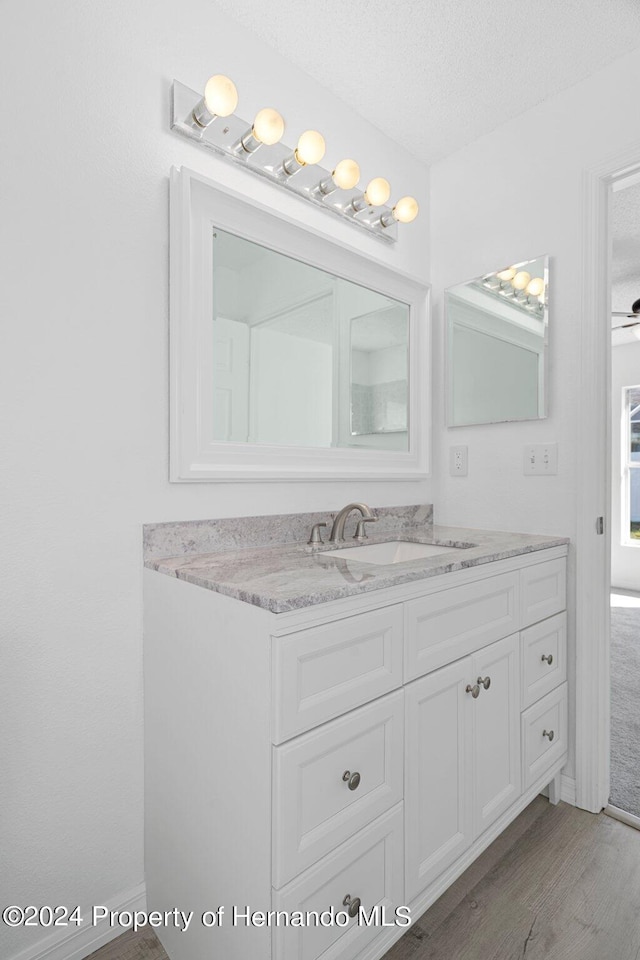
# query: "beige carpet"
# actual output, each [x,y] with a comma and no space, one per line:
[625,701]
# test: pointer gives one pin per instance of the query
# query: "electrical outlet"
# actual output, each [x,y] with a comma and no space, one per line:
[458,463]
[541,460]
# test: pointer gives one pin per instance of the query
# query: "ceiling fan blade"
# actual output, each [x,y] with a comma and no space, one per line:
[624,326]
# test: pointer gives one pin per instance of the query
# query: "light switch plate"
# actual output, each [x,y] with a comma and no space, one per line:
[541,460]
[458,461]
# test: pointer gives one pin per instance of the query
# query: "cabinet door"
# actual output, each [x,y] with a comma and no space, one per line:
[496,720]
[438,780]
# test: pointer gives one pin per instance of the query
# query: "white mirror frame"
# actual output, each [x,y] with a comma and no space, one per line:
[198,206]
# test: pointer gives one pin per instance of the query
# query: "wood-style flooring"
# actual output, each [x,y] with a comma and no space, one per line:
[559,884]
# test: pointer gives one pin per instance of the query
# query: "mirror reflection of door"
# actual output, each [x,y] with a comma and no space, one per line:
[304,358]
[231,388]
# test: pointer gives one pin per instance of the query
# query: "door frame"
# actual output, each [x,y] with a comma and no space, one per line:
[593,476]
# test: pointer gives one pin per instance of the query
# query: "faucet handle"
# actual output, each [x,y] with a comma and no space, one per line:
[316,536]
[361,530]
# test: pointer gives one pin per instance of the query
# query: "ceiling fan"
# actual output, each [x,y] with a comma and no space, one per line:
[634,315]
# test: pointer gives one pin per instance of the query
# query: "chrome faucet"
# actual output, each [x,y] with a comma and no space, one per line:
[337,530]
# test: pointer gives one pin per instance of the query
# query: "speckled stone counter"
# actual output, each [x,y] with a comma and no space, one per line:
[283,576]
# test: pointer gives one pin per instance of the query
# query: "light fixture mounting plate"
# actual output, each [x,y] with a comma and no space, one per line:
[224,133]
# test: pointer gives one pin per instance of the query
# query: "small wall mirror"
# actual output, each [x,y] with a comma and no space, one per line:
[497,328]
[292,356]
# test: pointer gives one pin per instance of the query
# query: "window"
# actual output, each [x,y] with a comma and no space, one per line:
[631,466]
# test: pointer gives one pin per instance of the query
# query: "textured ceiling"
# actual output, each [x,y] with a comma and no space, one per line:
[436,74]
[625,265]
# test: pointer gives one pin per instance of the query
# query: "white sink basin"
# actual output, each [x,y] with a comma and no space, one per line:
[395,551]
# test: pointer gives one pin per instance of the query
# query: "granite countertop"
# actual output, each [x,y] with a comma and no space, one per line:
[289,576]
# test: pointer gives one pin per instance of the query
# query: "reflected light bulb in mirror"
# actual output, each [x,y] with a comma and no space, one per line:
[378,192]
[535,287]
[521,280]
[220,100]
[507,274]
[310,148]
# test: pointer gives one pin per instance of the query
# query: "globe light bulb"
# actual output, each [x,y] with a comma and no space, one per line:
[378,192]
[268,126]
[346,174]
[310,148]
[535,287]
[220,96]
[521,280]
[220,100]
[406,210]
[507,274]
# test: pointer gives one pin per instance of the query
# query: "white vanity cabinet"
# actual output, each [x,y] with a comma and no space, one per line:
[358,752]
[462,757]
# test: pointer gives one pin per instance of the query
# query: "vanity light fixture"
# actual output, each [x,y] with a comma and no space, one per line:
[220,100]
[297,170]
[309,150]
[376,194]
[267,128]
[405,211]
[345,177]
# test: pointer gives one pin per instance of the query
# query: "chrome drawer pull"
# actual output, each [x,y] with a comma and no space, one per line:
[547,659]
[548,733]
[352,905]
[486,682]
[473,690]
[353,779]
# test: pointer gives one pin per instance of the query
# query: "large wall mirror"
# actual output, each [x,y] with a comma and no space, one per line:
[292,357]
[497,334]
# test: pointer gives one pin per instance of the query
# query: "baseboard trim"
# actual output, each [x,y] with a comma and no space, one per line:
[629,818]
[82,941]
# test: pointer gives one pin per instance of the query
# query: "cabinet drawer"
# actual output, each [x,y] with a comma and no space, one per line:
[543,590]
[544,734]
[544,658]
[314,807]
[448,625]
[321,673]
[368,867]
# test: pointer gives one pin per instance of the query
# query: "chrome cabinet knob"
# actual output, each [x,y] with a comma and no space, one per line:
[548,733]
[547,659]
[486,682]
[352,905]
[352,779]
[473,690]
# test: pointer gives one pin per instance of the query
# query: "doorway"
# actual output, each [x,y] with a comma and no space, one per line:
[624,791]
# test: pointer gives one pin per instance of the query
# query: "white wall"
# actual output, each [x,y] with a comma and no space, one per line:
[625,559]
[513,195]
[84,234]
